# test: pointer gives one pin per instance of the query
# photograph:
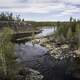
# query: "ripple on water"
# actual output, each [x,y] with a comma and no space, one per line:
[29,52]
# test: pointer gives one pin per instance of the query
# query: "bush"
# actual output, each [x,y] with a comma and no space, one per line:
[8,64]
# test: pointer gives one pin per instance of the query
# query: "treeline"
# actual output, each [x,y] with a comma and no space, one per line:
[10,18]
[18,24]
[41,24]
[69,32]
[14,22]
[5,16]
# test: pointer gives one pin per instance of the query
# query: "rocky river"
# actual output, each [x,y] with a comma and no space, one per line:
[52,62]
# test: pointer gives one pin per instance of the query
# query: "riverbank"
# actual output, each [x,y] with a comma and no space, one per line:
[55,60]
[64,56]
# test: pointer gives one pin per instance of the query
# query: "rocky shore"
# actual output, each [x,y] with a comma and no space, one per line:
[67,59]
[57,48]
[48,60]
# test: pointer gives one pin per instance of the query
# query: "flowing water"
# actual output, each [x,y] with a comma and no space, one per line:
[38,58]
[46,31]
[35,56]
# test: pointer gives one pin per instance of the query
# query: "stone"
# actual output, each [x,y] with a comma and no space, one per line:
[29,74]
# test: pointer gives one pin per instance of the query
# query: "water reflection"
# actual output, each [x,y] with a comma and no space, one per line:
[29,52]
[46,31]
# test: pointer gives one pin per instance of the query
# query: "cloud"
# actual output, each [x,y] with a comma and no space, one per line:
[36,8]
[37,1]
[70,10]
[71,1]
[53,8]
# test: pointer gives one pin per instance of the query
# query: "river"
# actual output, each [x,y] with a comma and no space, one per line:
[38,58]
[30,50]
[46,31]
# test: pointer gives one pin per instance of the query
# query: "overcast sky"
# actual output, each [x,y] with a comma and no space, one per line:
[42,10]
